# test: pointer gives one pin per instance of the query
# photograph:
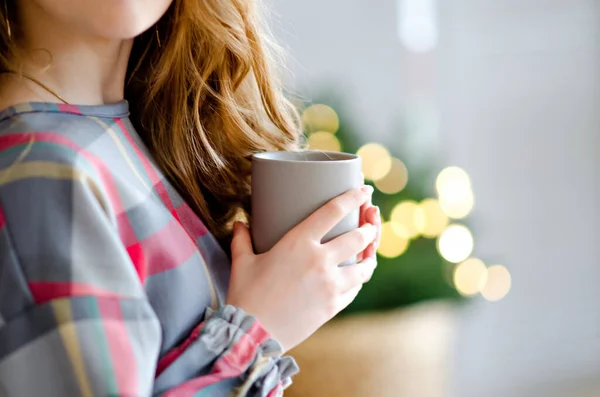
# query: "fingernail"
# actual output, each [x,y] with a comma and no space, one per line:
[368,189]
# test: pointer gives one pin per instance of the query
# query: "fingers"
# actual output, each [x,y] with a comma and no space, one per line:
[356,275]
[374,218]
[241,244]
[365,207]
[363,211]
[369,252]
[370,215]
[362,220]
[325,218]
[351,243]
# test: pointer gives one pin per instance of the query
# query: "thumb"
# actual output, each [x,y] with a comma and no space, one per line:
[241,244]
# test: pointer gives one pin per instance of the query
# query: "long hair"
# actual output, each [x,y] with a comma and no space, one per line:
[205,94]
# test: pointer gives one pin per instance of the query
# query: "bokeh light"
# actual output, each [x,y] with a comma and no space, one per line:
[470,276]
[392,245]
[455,194]
[395,180]
[323,140]
[376,161]
[457,204]
[320,117]
[498,283]
[455,244]
[451,179]
[430,219]
[404,219]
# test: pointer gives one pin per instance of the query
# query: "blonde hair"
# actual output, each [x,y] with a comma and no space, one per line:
[205,95]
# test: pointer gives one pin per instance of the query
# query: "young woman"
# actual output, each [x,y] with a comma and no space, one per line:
[125,141]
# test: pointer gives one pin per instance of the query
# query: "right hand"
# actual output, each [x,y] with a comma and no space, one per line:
[297,286]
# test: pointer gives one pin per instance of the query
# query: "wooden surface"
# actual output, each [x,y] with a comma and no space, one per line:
[393,354]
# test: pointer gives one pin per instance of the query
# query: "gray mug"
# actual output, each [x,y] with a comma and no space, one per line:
[289,186]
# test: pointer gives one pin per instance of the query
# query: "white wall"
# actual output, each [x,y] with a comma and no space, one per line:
[519,92]
[521,110]
[348,44]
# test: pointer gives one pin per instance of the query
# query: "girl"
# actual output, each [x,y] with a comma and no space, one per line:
[125,145]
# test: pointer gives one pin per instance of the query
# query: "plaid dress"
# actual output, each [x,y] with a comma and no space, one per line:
[110,285]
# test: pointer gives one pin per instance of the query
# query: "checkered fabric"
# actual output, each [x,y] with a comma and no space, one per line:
[110,285]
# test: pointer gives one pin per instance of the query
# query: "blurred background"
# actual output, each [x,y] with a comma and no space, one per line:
[478,122]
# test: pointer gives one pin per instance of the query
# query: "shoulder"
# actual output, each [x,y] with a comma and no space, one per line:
[41,144]
[56,134]
[44,164]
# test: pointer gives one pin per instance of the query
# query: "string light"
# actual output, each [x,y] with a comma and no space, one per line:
[455,194]
[376,161]
[498,283]
[320,117]
[451,179]
[457,205]
[455,244]
[392,244]
[323,140]
[470,276]
[395,180]
[430,219]
[404,219]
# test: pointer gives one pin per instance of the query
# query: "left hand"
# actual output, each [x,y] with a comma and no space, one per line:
[370,214]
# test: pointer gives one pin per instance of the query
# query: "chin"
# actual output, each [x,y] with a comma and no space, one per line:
[121,28]
[133,17]
[111,19]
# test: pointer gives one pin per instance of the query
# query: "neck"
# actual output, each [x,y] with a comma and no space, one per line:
[81,69]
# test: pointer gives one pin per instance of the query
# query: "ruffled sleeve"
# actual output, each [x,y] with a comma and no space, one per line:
[232,354]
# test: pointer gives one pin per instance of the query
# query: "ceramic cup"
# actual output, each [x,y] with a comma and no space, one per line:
[289,186]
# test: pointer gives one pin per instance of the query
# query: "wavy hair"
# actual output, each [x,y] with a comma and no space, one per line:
[205,94]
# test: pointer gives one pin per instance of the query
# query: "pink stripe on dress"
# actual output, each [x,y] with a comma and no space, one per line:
[120,348]
[169,248]
[46,291]
[63,107]
[229,366]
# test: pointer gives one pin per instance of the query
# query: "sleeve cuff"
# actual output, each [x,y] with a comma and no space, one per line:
[252,349]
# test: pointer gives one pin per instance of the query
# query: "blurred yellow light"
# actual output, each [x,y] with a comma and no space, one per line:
[452,179]
[395,180]
[376,161]
[392,245]
[457,204]
[455,243]
[404,219]
[430,219]
[320,118]
[470,276]
[498,283]
[323,140]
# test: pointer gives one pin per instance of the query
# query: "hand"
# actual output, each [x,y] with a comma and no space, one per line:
[370,214]
[297,286]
